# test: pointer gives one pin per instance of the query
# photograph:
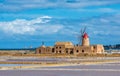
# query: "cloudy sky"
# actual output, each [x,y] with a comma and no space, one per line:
[25,23]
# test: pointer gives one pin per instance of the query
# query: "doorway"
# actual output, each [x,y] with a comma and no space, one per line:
[71,52]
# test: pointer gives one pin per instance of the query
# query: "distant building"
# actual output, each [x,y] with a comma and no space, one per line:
[69,48]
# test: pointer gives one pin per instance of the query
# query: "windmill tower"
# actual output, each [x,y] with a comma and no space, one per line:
[83,38]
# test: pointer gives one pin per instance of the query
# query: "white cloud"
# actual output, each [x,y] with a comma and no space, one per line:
[49,29]
[30,27]
[99,10]
[104,25]
[14,5]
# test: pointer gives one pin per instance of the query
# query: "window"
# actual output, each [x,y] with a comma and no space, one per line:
[53,50]
[77,51]
[60,51]
[56,47]
[71,52]
[39,51]
[82,51]
[66,51]
[60,47]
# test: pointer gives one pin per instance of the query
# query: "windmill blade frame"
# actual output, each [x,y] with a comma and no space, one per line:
[80,40]
[80,35]
[84,30]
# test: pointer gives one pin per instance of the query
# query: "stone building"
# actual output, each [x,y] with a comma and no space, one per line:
[69,48]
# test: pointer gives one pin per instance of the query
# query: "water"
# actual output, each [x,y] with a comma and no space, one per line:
[88,67]
[65,71]
[107,69]
[10,65]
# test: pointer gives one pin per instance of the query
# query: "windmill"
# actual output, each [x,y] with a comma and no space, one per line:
[80,36]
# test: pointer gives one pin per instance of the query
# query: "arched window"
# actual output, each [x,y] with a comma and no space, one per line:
[60,47]
[77,51]
[60,51]
[56,47]
[53,51]
[39,51]
[82,51]
[66,51]
[71,52]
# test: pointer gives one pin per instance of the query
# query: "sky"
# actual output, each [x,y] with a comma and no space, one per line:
[28,23]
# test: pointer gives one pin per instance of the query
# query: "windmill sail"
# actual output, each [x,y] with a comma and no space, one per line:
[80,36]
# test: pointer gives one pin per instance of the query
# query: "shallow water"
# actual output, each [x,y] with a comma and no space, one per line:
[87,67]
[57,73]
[10,65]
[77,70]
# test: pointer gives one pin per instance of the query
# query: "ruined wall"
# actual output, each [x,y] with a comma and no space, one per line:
[82,49]
[63,48]
[98,49]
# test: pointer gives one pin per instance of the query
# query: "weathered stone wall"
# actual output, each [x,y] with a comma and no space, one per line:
[82,49]
[68,48]
[98,49]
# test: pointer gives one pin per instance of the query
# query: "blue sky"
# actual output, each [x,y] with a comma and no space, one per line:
[25,23]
